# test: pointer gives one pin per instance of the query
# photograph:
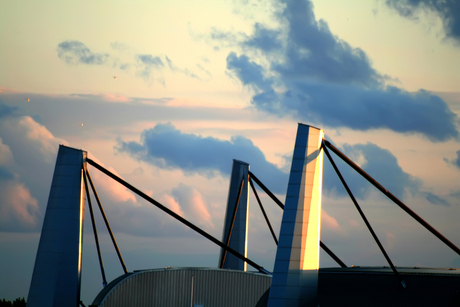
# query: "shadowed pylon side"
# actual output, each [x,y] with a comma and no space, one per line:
[239,232]
[57,272]
[295,276]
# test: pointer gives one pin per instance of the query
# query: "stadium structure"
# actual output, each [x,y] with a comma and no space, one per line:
[296,279]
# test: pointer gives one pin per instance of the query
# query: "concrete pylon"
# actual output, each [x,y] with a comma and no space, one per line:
[57,271]
[295,276]
[239,235]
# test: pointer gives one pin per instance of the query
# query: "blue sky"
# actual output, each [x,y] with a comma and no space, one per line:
[166,93]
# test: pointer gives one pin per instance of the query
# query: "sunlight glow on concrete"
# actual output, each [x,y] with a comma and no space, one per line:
[295,276]
[239,236]
[57,272]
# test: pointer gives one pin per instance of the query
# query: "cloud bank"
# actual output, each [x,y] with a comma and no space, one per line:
[314,76]
[166,147]
[448,11]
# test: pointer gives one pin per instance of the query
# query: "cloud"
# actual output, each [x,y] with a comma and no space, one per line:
[436,200]
[146,220]
[455,161]
[6,111]
[19,210]
[119,46]
[116,98]
[379,163]
[455,194]
[314,76]
[186,72]
[113,190]
[6,156]
[264,39]
[24,135]
[448,11]
[223,38]
[166,147]
[248,72]
[312,51]
[328,221]
[31,149]
[149,63]
[150,60]
[28,152]
[146,64]
[75,52]
[193,205]
[169,202]
[5,174]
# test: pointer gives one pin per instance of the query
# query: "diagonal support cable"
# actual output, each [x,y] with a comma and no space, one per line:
[101,264]
[392,197]
[364,218]
[325,248]
[332,255]
[176,216]
[235,209]
[106,223]
[269,193]
[263,211]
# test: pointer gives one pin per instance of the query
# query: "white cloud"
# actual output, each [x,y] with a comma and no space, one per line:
[169,202]
[193,204]
[109,187]
[329,221]
[26,132]
[18,208]
[6,156]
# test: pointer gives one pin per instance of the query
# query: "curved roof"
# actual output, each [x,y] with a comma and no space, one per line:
[185,287]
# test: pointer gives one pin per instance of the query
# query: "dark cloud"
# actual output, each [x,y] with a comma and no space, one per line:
[313,52]
[448,11]
[6,111]
[265,39]
[320,79]
[249,73]
[455,194]
[379,163]
[5,174]
[456,161]
[393,108]
[436,200]
[75,52]
[167,147]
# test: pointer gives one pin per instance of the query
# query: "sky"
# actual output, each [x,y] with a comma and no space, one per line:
[166,93]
